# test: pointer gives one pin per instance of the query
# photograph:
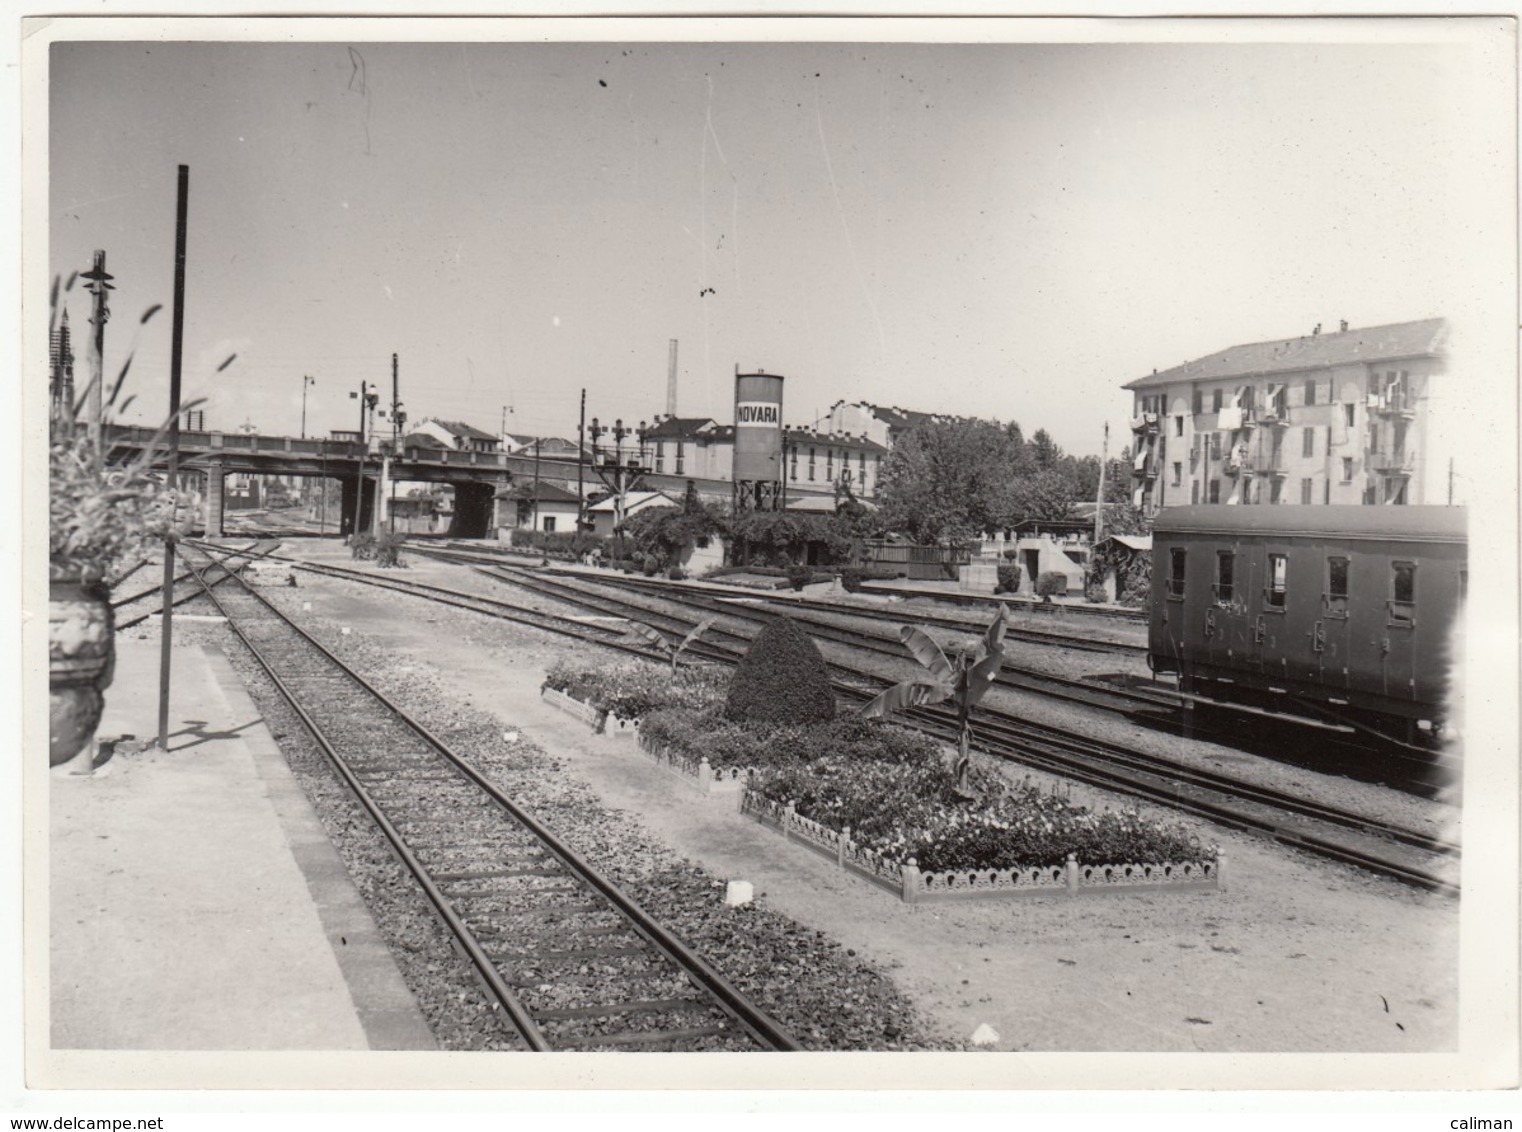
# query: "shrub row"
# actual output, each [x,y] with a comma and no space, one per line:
[565,545]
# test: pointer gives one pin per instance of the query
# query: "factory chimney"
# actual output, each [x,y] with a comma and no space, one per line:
[671,381]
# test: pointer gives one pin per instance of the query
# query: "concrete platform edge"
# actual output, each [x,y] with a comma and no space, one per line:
[386,1010]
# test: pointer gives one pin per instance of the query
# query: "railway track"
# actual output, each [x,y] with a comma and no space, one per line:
[792,604]
[186,587]
[1411,856]
[571,961]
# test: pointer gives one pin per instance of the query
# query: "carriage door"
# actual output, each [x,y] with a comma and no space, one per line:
[1329,633]
[1397,645]
[1224,615]
[1269,613]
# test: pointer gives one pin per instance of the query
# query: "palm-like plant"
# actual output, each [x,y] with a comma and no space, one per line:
[657,640]
[964,678]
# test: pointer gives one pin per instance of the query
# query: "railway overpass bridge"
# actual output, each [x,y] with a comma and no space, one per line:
[475,476]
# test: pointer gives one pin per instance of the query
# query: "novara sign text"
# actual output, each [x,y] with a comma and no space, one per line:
[758,414]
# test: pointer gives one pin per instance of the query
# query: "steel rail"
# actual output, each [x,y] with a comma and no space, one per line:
[766,1031]
[1032,744]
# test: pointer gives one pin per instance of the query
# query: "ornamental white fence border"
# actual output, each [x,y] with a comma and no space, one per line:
[914,886]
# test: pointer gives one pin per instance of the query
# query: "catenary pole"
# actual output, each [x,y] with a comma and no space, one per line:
[176,352]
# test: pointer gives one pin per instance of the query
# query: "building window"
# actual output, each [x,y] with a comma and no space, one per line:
[811,465]
[1215,446]
[1310,392]
[681,456]
[1176,561]
[1306,488]
[1225,568]
[1215,401]
[1276,490]
[862,470]
[1337,586]
[1278,580]
[793,454]
[829,464]
[1178,425]
[1178,474]
[1308,442]
[1215,491]
[660,455]
[1347,469]
[1347,414]
[1194,492]
[1403,592]
[549,523]
[1199,401]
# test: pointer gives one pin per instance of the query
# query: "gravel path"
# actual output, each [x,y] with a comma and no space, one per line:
[1297,955]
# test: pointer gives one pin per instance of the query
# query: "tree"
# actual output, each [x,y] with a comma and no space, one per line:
[966,679]
[944,482]
[1045,449]
[665,532]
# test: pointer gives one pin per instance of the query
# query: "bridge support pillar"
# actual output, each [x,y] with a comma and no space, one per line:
[216,474]
[356,505]
[472,510]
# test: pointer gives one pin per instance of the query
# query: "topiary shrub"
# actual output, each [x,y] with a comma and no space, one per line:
[851,579]
[1009,579]
[1095,593]
[651,566]
[798,576]
[1050,584]
[676,573]
[781,679]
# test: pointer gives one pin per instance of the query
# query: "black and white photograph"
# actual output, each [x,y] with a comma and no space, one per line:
[987,545]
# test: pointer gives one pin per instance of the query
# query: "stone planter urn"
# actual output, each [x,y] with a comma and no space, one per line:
[81,662]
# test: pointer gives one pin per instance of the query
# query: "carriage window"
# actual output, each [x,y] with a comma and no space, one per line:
[1278,578]
[1403,592]
[1337,585]
[1176,558]
[1225,563]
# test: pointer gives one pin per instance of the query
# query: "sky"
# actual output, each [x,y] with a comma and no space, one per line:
[1003,230]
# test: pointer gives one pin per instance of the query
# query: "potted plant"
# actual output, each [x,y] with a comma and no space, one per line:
[100,519]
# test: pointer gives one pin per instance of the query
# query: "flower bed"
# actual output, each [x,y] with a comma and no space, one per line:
[915,885]
[631,689]
[883,801]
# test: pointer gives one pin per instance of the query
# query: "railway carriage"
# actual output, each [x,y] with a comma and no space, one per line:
[1344,613]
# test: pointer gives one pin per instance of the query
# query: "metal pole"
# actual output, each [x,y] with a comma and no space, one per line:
[537,442]
[1099,507]
[177,343]
[95,414]
[581,458]
[396,405]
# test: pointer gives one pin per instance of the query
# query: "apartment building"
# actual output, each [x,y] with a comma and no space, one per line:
[1339,417]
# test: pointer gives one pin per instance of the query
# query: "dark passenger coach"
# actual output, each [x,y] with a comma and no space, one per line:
[1345,612]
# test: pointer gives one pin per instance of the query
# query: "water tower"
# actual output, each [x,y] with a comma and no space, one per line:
[758,442]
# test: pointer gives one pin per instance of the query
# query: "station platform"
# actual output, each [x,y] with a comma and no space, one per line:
[195,901]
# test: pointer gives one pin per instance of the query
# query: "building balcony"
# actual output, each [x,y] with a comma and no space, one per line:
[1393,462]
[1145,425]
[1395,407]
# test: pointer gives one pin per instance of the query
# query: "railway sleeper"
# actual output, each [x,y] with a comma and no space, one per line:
[650,1037]
[493,929]
[493,874]
[614,1009]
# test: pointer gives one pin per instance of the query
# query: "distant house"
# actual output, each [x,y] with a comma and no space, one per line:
[884,424]
[540,507]
[603,514]
[457,435]
[519,444]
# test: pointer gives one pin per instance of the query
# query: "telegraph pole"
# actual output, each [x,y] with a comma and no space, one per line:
[166,600]
[99,284]
[1099,508]
[537,442]
[581,459]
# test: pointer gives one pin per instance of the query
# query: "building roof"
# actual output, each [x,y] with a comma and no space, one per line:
[1426,338]
[1425,523]
[840,439]
[686,428]
[633,501]
[543,491]
[421,440]
[1130,542]
[460,428]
